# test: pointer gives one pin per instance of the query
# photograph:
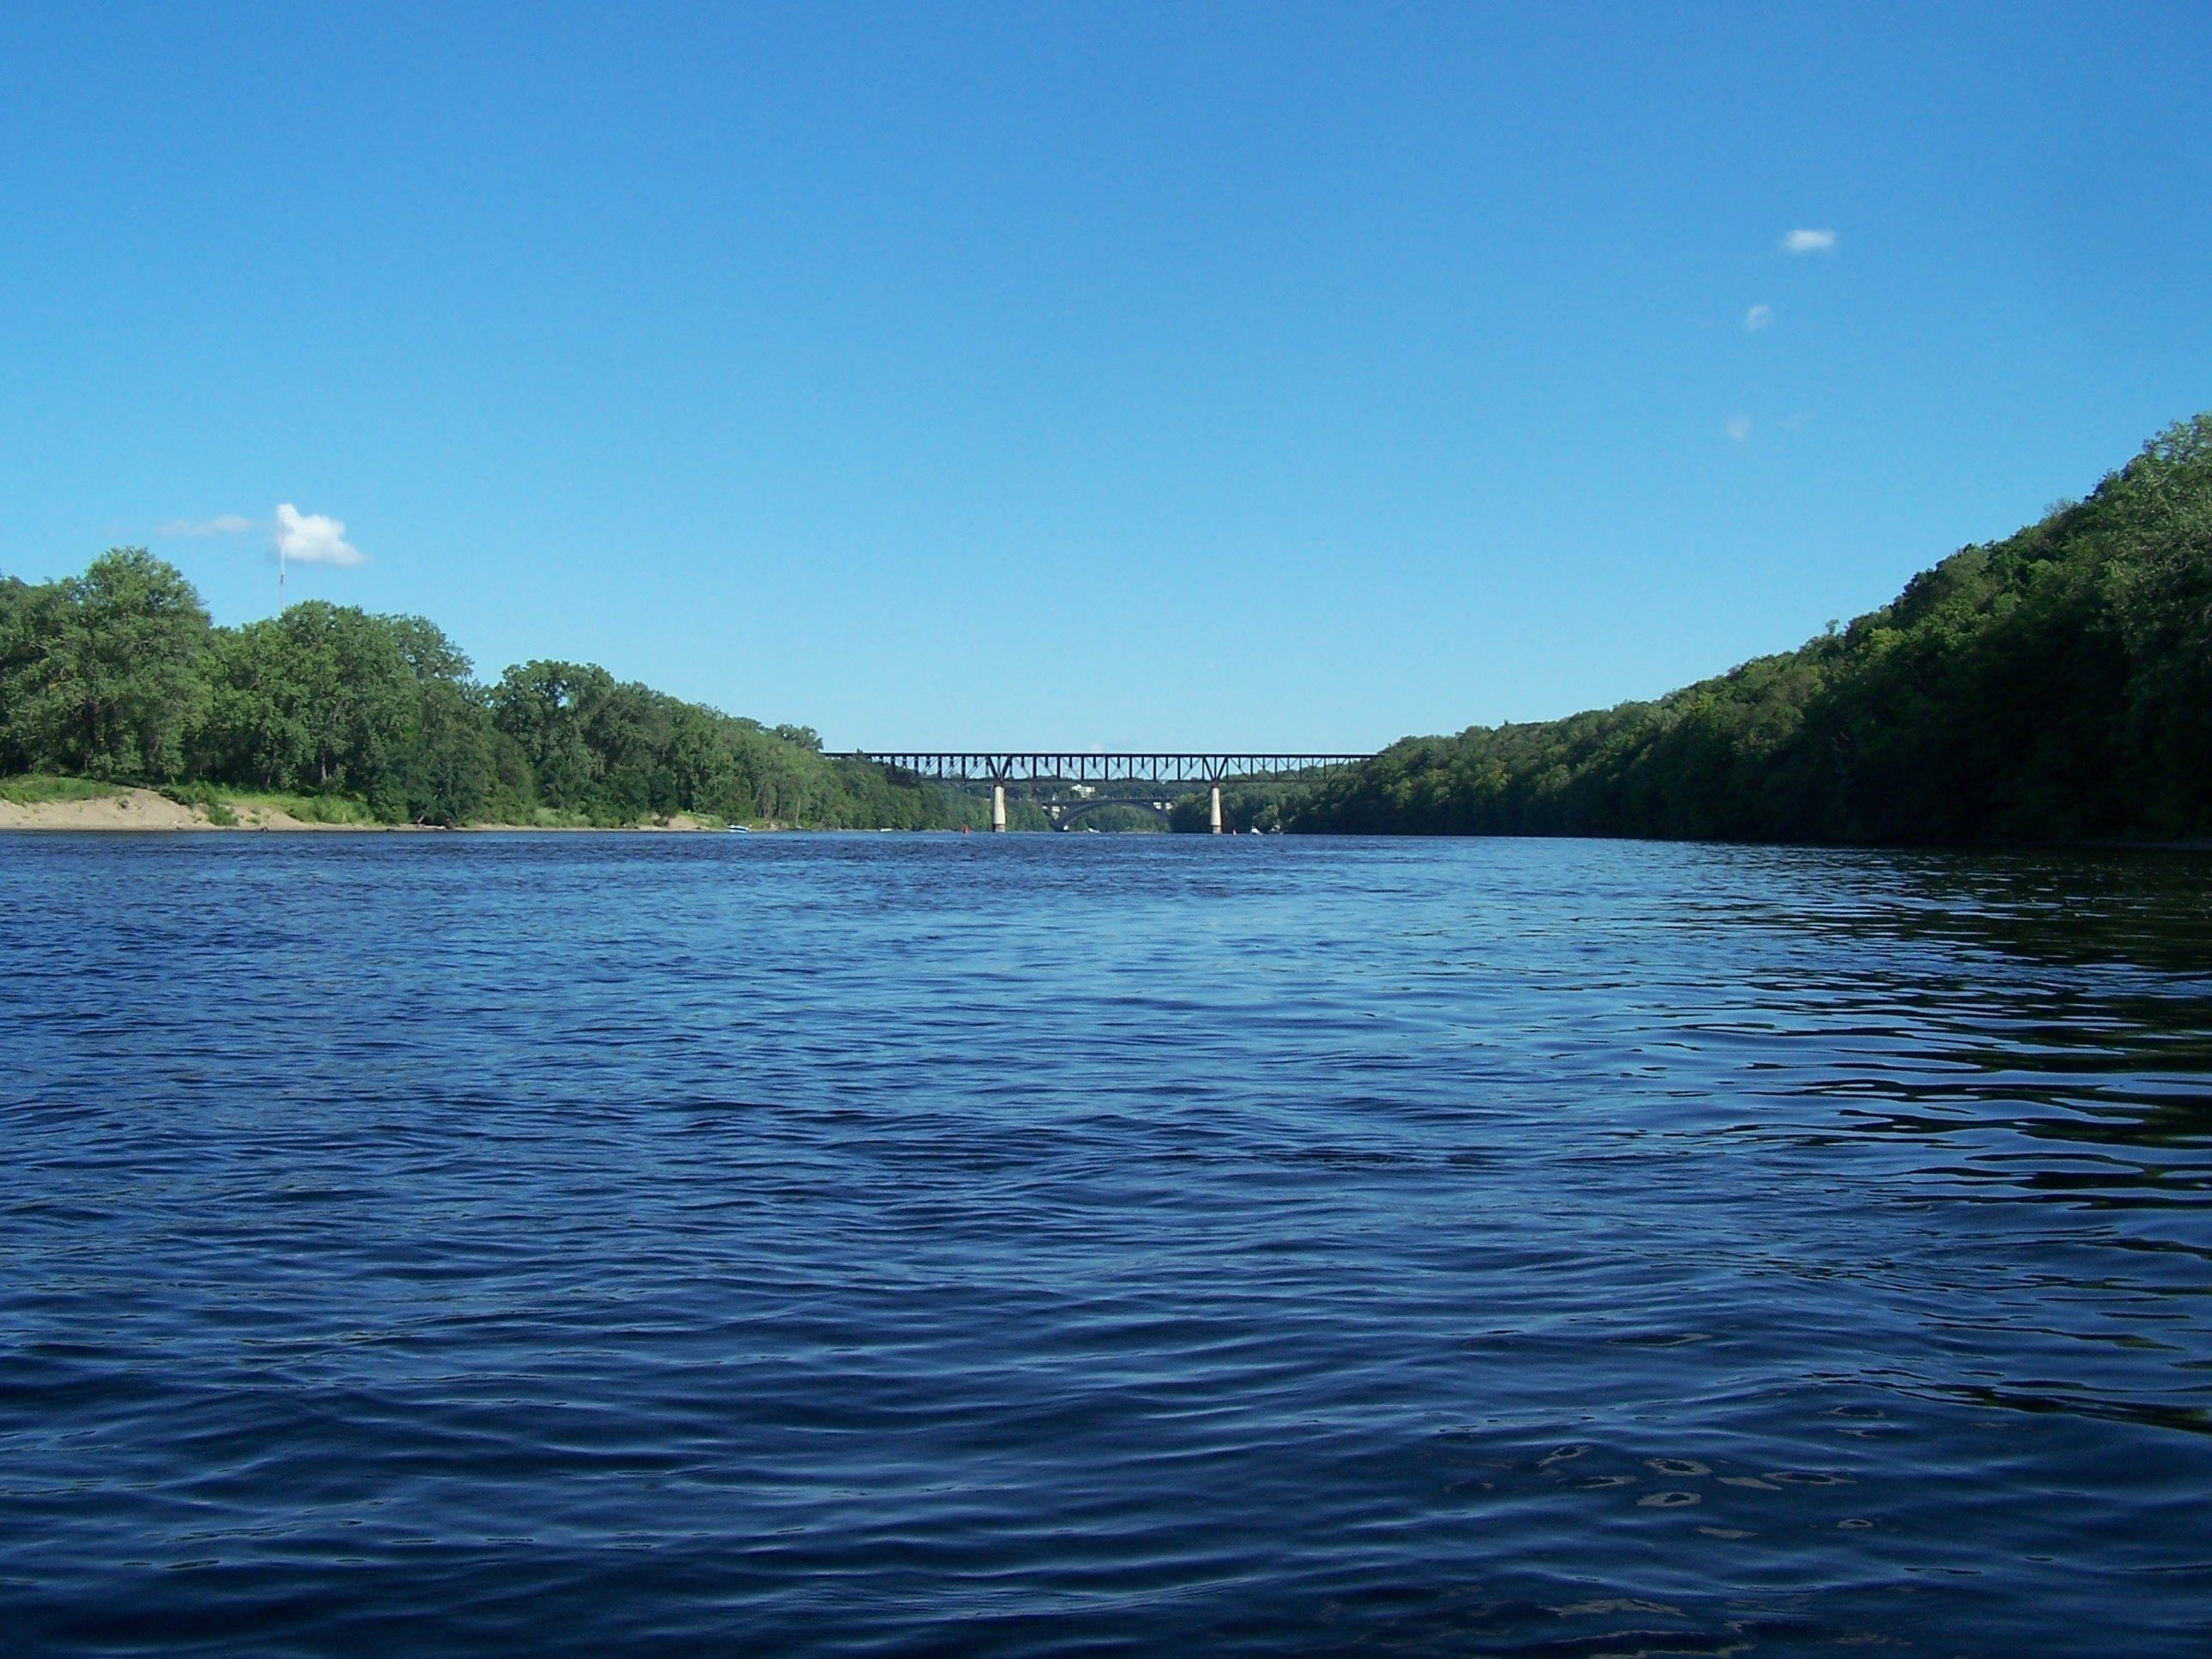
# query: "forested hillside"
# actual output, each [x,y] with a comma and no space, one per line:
[116,676]
[2055,685]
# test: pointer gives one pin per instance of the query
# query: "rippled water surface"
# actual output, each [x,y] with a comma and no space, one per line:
[888,1244]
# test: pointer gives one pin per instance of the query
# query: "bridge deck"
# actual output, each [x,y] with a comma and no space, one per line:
[1159,766]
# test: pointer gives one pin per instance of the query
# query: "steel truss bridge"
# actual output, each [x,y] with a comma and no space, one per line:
[1140,778]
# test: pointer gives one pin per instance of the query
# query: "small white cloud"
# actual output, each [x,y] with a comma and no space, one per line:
[310,538]
[1738,427]
[224,523]
[1809,241]
[1757,318]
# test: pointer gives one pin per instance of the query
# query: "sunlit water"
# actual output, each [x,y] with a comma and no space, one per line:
[887,1244]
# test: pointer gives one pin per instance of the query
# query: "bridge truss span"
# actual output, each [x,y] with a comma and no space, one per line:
[1044,766]
[1144,775]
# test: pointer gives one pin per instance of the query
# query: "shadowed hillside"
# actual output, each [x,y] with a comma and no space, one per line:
[2055,685]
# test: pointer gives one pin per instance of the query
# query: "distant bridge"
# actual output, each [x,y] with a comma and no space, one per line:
[1085,771]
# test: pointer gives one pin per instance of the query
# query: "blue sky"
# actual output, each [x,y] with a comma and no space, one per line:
[1092,375]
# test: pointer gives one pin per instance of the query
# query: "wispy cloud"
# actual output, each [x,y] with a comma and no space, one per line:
[312,539]
[1757,318]
[224,523]
[1809,241]
[1738,428]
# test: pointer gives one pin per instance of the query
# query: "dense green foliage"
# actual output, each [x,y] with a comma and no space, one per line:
[117,675]
[100,674]
[2055,685]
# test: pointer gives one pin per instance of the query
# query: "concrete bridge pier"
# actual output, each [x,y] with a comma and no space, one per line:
[1217,808]
[998,808]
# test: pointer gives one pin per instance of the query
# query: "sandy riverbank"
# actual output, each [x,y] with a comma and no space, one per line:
[142,809]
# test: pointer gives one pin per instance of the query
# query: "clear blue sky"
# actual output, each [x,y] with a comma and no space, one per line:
[1094,375]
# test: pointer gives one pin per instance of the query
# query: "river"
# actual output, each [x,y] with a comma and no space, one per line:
[875,1245]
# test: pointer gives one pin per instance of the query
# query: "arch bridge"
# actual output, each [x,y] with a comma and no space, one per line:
[1139,776]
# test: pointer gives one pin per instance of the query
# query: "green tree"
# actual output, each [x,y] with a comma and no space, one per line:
[447,771]
[540,706]
[34,622]
[103,671]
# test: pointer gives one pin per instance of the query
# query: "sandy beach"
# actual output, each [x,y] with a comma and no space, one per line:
[143,809]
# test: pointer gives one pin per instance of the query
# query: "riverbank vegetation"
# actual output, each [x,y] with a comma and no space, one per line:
[42,789]
[332,714]
[2055,685]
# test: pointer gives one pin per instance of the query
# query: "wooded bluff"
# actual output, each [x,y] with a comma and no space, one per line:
[2056,685]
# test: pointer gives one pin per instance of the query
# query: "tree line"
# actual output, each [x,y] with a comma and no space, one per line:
[2055,685]
[117,674]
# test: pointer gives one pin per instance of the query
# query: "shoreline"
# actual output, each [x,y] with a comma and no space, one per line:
[144,810]
[139,810]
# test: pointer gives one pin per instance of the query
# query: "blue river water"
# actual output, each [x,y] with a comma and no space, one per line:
[887,1244]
